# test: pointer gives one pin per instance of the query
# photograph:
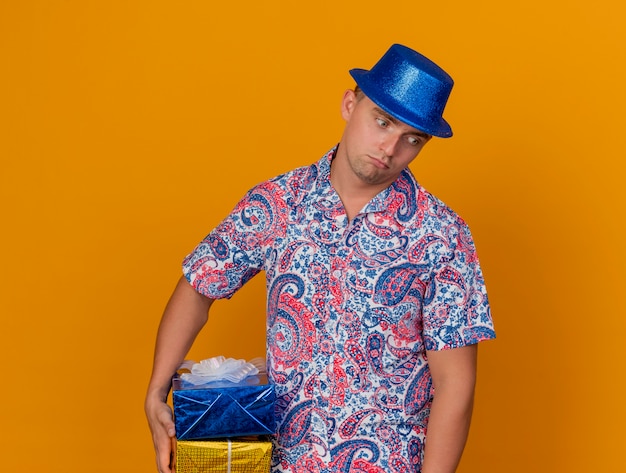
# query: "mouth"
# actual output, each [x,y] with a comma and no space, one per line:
[378,162]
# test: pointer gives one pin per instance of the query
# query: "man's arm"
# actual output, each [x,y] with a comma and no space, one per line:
[184,316]
[454,377]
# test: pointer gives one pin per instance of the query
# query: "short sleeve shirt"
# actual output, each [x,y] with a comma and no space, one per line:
[352,307]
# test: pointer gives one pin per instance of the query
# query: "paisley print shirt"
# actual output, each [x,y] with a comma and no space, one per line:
[352,306]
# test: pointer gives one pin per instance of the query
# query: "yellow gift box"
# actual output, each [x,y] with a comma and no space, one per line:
[223,456]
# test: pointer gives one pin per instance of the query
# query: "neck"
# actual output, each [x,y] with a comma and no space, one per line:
[353,192]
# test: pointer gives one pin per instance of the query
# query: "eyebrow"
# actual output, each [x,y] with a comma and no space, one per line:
[395,121]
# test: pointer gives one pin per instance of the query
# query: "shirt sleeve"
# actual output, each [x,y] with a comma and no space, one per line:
[236,250]
[456,312]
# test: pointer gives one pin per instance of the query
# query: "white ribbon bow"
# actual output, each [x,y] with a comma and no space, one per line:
[220,368]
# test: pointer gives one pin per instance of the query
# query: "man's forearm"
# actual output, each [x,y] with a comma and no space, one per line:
[183,318]
[454,377]
[448,428]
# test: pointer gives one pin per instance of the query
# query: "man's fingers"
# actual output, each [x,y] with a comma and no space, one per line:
[163,436]
[173,455]
[163,447]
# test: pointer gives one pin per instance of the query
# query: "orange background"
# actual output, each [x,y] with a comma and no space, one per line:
[129,129]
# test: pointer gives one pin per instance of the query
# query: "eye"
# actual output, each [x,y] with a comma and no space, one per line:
[382,123]
[413,141]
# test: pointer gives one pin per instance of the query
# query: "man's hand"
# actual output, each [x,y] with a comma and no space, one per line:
[161,424]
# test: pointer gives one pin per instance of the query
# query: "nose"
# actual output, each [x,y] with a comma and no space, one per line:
[388,144]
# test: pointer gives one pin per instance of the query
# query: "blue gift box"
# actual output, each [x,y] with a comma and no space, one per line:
[223,408]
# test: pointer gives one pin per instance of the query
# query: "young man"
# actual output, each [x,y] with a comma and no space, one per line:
[376,300]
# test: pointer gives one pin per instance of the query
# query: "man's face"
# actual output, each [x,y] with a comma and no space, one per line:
[376,145]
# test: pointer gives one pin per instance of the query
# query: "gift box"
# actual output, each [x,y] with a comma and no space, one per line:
[223,408]
[234,456]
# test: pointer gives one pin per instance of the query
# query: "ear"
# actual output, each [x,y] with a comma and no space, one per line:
[348,102]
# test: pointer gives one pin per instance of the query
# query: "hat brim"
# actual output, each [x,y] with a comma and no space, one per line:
[439,128]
